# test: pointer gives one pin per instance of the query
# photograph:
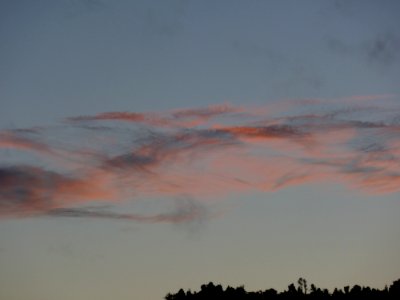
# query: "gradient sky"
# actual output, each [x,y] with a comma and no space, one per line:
[147,146]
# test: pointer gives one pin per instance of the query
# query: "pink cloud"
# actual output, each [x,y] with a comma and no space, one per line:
[267,150]
[9,139]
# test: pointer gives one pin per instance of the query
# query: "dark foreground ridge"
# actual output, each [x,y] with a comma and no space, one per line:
[301,291]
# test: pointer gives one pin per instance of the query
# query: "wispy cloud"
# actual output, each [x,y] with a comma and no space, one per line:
[27,190]
[384,49]
[177,118]
[380,51]
[21,140]
[204,153]
[185,211]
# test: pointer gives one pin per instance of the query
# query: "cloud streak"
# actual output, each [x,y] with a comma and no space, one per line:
[178,118]
[205,153]
[16,140]
[185,211]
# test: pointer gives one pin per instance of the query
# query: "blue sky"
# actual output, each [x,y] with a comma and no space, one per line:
[216,99]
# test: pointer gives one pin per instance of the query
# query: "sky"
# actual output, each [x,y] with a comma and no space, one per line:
[148,146]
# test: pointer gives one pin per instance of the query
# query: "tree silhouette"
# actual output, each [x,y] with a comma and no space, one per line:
[395,288]
[302,285]
[212,291]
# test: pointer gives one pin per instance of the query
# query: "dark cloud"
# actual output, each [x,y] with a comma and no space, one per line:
[185,211]
[384,49]
[272,131]
[26,189]
[161,149]
[381,50]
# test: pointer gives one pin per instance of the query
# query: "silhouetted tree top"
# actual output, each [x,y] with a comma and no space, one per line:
[212,291]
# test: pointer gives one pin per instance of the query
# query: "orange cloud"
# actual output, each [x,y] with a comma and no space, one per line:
[27,190]
[177,118]
[9,139]
[169,156]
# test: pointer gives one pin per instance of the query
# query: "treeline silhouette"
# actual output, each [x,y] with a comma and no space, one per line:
[301,291]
